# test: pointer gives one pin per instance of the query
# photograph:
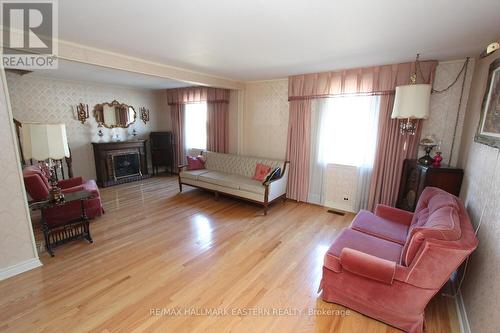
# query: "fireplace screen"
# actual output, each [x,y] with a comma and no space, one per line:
[126,165]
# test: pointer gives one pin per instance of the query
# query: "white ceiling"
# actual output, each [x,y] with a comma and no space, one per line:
[262,39]
[71,70]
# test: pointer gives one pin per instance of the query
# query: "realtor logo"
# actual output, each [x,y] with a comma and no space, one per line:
[29,34]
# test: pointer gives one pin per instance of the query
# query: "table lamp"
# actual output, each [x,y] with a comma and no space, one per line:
[46,143]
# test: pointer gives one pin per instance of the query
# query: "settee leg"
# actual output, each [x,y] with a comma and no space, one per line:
[216,196]
[265,209]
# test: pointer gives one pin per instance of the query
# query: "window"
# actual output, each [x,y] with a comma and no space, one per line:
[195,125]
[348,130]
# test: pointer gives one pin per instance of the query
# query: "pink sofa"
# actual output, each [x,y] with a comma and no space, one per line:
[388,265]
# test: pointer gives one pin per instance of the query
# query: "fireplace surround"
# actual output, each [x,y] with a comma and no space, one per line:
[120,162]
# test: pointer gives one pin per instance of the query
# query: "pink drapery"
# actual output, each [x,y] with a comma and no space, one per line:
[197,95]
[217,116]
[392,149]
[217,127]
[377,80]
[177,117]
[298,149]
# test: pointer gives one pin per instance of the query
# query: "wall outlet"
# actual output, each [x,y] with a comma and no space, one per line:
[346,198]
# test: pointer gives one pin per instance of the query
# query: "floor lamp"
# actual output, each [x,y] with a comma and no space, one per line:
[46,143]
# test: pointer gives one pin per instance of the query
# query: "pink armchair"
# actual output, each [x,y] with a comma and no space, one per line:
[37,186]
[388,265]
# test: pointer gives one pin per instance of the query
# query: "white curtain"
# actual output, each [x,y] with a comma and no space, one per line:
[195,127]
[343,132]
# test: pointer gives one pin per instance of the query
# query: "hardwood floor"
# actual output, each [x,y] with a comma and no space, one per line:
[156,249]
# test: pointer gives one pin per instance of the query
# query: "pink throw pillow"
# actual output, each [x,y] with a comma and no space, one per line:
[195,163]
[261,172]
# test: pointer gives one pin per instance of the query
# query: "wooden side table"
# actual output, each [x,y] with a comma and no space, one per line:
[415,177]
[71,230]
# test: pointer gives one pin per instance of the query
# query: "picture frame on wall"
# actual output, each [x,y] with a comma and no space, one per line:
[488,131]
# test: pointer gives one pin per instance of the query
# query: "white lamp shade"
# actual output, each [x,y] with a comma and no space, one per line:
[44,141]
[412,101]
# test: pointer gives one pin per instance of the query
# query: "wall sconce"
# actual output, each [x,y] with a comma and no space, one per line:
[144,114]
[82,112]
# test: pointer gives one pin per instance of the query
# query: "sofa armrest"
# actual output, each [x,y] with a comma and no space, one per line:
[277,187]
[181,167]
[72,189]
[89,186]
[368,266]
[70,182]
[394,214]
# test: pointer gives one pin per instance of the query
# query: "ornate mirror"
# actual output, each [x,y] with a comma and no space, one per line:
[114,114]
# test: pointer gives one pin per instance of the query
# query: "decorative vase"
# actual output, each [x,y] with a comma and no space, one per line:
[437,159]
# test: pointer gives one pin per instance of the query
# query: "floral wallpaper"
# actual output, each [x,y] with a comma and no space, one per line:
[15,238]
[42,99]
[265,119]
[444,108]
[481,194]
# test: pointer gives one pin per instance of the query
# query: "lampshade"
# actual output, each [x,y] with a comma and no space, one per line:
[412,101]
[44,141]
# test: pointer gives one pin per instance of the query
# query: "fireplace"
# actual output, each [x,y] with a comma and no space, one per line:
[120,162]
[126,165]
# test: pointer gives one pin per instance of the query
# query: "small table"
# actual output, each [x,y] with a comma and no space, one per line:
[71,230]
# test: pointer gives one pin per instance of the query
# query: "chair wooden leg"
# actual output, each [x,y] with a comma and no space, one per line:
[216,196]
[180,185]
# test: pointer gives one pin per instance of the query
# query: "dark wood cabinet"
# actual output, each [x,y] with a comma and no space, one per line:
[416,177]
[162,151]
[120,162]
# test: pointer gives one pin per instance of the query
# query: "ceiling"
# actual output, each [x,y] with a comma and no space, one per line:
[71,70]
[264,39]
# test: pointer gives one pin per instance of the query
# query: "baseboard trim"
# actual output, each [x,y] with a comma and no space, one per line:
[462,314]
[19,268]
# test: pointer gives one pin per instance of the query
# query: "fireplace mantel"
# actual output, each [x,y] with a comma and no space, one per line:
[108,156]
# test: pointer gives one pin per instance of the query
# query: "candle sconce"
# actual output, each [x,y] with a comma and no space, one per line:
[82,112]
[144,114]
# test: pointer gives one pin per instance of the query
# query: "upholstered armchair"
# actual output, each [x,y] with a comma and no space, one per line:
[389,264]
[37,186]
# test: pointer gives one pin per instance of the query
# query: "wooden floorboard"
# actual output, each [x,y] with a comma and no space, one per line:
[156,250]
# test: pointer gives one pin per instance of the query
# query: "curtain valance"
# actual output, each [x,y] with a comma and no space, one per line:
[197,95]
[377,80]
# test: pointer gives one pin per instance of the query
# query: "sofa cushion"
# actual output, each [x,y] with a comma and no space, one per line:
[419,218]
[261,171]
[193,174]
[195,162]
[441,200]
[442,224]
[374,225]
[36,170]
[349,238]
[250,185]
[431,199]
[220,178]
